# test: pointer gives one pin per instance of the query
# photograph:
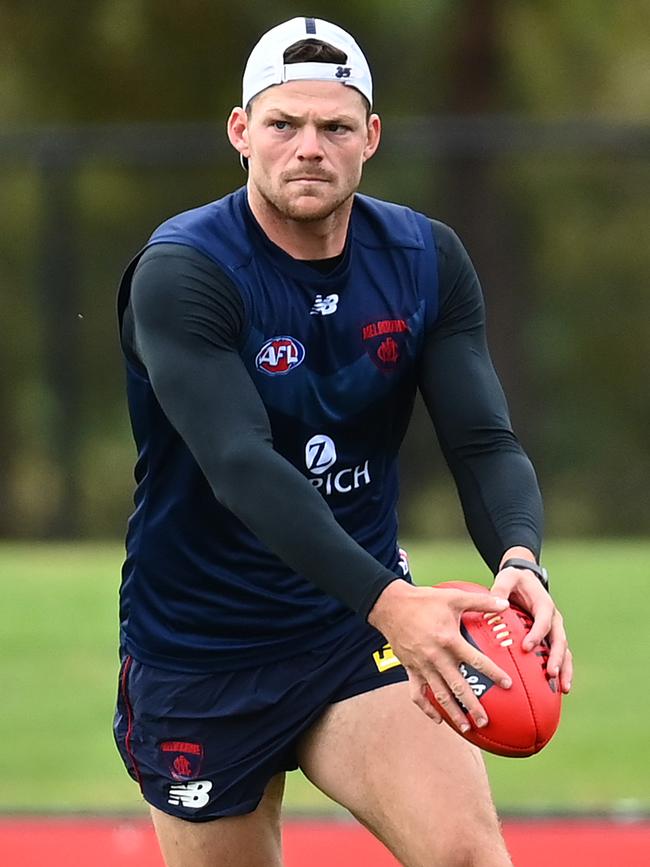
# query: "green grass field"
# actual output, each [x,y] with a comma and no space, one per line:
[58,668]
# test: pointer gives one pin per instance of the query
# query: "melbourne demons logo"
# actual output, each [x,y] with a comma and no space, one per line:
[384,341]
[183,759]
[279,355]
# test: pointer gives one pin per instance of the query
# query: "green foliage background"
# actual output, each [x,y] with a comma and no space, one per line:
[558,232]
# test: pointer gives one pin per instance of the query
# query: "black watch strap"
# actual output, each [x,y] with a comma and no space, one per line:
[517,563]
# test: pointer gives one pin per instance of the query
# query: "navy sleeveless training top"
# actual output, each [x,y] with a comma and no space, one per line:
[334,358]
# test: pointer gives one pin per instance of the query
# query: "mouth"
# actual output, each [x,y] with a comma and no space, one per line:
[309,180]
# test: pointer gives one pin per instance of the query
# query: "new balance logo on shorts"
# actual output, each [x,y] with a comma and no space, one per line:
[191,795]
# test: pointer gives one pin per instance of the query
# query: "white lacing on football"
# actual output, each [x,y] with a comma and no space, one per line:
[499,628]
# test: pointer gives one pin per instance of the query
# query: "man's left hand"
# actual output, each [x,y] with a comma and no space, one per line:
[525,589]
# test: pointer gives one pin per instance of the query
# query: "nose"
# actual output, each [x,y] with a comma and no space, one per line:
[309,144]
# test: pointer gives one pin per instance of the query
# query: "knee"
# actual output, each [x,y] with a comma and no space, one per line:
[478,843]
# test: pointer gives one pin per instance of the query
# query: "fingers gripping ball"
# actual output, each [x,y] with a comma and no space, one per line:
[524,718]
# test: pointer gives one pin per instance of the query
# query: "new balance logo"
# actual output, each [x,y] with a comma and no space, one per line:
[190,795]
[323,306]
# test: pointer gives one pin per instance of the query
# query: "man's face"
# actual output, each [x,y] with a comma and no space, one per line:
[307,142]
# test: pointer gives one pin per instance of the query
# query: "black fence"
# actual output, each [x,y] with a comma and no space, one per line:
[553,213]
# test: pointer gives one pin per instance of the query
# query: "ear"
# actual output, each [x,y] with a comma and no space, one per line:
[374,135]
[238,131]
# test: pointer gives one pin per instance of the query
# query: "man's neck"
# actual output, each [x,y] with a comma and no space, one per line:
[320,239]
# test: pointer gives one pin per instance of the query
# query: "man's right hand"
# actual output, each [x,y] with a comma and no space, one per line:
[422,625]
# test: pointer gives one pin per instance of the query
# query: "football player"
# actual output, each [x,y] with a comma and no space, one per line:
[274,341]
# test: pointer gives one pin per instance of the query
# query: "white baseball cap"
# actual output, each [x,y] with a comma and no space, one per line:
[266,65]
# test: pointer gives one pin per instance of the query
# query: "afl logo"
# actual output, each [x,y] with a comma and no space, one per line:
[279,355]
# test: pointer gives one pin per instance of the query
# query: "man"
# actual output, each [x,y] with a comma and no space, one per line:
[274,343]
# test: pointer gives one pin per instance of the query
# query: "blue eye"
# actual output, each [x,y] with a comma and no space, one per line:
[280,125]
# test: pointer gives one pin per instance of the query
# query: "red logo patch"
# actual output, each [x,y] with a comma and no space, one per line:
[388,352]
[383,348]
[183,759]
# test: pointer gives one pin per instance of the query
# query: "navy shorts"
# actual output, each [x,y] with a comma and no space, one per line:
[203,746]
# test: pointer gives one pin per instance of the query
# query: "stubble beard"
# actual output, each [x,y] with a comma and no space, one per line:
[289,209]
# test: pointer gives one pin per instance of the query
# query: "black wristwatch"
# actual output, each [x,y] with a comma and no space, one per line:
[540,571]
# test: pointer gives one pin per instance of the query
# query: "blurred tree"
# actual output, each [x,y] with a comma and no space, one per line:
[587,57]
[475,195]
[557,239]
[114,60]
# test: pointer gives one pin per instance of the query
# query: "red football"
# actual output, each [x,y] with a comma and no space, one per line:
[522,719]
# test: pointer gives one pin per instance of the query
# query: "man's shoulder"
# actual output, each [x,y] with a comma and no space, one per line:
[400,224]
[215,229]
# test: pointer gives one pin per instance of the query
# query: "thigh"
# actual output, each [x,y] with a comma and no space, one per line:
[418,786]
[252,840]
